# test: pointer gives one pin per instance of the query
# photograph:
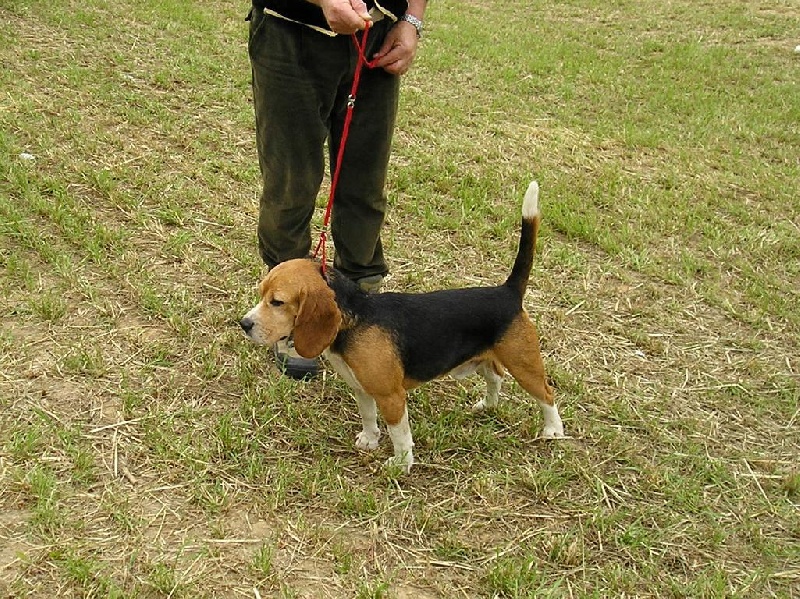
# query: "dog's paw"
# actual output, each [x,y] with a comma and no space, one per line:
[481,406]
[399,464]
[553,432]
[366,441]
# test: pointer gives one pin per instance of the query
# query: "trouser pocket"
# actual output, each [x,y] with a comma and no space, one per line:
[256,18]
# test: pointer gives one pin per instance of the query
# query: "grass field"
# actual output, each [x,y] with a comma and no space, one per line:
[148,450]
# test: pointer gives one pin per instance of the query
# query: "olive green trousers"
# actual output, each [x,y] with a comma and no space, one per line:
[301,82]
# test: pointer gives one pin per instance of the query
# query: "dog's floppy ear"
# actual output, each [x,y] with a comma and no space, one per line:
[317,321]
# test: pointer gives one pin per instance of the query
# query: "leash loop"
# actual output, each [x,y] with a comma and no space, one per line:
[351,102]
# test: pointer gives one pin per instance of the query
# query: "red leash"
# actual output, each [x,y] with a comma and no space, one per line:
[351,102]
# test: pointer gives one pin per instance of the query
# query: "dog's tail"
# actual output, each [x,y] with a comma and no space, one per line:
[531,217]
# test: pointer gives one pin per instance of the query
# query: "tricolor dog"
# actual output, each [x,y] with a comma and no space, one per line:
[384,344]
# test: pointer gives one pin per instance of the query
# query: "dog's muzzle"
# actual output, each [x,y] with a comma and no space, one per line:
[247,324]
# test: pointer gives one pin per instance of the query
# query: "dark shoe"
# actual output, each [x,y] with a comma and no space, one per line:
[371,284]
[293,364]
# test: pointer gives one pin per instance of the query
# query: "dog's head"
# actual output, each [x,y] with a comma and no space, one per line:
[296,301]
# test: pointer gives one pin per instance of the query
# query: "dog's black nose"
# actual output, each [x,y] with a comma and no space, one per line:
[247,324]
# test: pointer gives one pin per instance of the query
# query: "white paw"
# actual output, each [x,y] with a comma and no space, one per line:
[553,432]
[401,463]
[366,441]
[483,405]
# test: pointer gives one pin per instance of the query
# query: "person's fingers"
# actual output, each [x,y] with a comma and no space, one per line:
[361,9]
[344,18]
[397,52]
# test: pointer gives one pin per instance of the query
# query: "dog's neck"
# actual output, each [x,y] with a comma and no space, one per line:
[349,298]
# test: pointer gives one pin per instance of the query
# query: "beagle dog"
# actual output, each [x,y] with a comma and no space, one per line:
[384,344]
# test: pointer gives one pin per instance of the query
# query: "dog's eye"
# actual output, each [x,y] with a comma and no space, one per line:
[275,302]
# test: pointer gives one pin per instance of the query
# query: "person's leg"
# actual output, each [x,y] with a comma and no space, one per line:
[294,82]
[290,137]
[359,206]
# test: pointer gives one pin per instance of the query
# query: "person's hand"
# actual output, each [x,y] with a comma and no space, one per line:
[346,16]
[398,49]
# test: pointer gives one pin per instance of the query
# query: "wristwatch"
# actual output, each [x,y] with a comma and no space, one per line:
[417,23]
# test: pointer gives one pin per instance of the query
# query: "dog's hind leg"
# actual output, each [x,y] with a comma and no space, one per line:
[492,372]
[519,353]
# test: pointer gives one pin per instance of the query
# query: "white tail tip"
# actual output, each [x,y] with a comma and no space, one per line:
[530,205]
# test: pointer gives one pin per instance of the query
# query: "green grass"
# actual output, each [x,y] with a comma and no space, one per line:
[147,450]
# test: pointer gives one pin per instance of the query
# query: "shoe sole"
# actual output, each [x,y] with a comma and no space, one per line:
[293,368]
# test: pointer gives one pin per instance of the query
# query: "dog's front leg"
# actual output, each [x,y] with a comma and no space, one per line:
[370,434]
[403,443]
[395,413]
